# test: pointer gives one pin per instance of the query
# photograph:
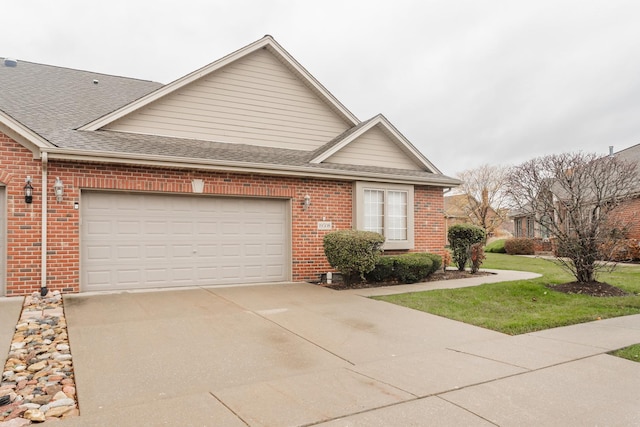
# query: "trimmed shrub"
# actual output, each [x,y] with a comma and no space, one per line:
[405,268]
[477,256]
[446,260]
[519,246]
[383,270]
[496,247]
[353,252]
[411,268]
[437,261]
[461,237]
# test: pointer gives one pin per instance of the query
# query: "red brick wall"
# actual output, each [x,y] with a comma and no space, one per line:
[330,201]
[23,233]
[628,213]
[429,223]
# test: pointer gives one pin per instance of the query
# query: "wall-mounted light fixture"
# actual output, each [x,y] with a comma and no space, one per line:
[58,189]
[306,203]
[28,190]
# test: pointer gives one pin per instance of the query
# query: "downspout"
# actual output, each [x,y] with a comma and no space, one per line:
[43,269]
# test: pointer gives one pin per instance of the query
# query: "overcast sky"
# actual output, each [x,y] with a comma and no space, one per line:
[467,82]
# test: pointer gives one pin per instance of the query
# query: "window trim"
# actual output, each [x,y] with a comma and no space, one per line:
[358,211]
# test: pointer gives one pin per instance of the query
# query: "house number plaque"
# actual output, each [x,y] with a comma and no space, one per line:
[324,225]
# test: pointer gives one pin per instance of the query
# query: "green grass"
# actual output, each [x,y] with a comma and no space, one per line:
[523,306]
[631,353]
[497,246]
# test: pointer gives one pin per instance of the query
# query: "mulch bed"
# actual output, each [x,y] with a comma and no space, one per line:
[594,289]
[437,276]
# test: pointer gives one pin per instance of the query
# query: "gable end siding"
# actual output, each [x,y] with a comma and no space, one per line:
[255,100]
[374,148]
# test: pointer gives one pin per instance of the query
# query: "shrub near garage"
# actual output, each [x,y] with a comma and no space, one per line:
[405,268]
[353,252]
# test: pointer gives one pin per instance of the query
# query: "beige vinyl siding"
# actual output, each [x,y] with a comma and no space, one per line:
[255,100]
[374,148]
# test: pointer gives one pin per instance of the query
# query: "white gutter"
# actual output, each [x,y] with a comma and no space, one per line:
[43,269]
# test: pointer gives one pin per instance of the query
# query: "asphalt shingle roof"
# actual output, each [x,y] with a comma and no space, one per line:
[54,102]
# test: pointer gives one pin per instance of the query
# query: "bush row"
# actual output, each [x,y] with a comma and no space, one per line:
[623,250]
[405,268]
[519,246]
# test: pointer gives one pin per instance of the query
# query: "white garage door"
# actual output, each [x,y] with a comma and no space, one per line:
[134,241]
[3,243]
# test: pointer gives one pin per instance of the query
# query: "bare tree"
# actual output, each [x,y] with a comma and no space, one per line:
[484,188]
[574,196]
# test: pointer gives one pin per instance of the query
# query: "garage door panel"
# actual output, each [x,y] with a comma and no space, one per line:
[148,240]
[128,227]
[128,252]
[99,227]
[98,252]
[275,250]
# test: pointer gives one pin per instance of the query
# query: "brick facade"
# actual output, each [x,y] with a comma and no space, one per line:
[331,200]
[627,213]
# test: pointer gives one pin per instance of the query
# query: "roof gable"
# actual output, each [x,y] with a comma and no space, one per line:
[375,142]
[258,95]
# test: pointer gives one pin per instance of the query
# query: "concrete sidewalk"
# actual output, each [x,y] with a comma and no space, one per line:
[495,277]
[295,354]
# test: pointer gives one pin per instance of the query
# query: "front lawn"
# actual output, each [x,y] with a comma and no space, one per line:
[632,352]
[524,306]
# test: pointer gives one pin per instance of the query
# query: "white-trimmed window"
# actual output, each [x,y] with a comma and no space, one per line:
[386,209]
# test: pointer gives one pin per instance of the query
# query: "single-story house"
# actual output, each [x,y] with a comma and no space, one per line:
[526,225]
[630,208]
[231,174]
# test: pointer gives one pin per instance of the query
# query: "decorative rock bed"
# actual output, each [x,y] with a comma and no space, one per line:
[38,381]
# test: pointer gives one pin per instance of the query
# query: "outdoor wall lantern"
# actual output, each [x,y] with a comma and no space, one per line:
[58,189]
[28,190]
[306,203]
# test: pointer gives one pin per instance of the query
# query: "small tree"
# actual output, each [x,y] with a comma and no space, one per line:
[461,237]
[486,201]
[574,196]
[352,252]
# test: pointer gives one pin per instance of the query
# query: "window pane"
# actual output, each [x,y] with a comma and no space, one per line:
[374,210]
[396,215]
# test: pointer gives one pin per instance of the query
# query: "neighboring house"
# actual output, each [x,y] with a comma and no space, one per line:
[231,174]
[527,226]
[629,210]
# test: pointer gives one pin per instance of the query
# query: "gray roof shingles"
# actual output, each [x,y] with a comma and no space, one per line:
[54,102]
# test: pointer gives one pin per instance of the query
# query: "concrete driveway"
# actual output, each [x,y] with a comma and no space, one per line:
[297,354]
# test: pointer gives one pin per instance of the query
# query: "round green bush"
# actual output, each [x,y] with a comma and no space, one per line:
[353,252]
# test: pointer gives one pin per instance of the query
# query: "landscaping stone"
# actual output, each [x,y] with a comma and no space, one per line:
[38,374]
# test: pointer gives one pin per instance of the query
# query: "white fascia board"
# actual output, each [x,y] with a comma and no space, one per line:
[339,146]
[409,146]
[240,167]
[392,131]
[266,41]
